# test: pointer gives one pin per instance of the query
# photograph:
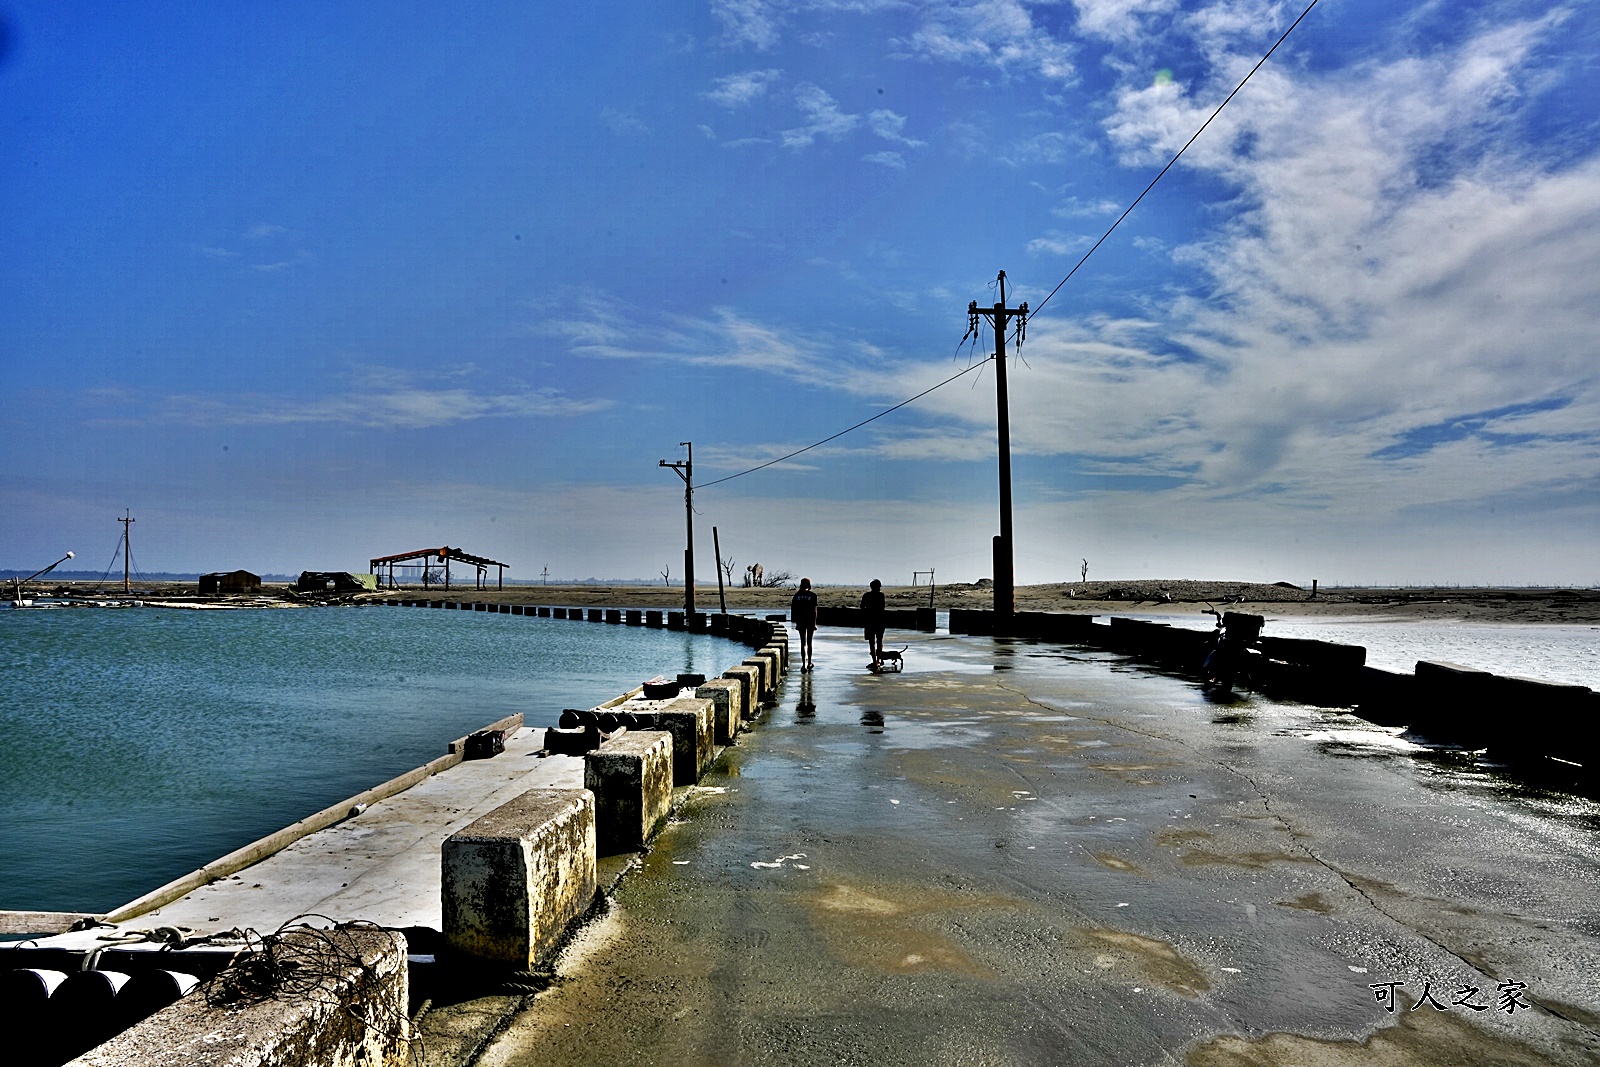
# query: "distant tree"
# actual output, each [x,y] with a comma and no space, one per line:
[726,563]
[777,578]
[666,575]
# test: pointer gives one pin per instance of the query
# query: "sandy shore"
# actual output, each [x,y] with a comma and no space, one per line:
[1476,604]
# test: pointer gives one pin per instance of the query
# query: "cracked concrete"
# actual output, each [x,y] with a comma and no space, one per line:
[1068,860]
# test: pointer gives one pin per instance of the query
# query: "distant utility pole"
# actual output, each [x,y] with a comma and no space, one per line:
[685,470]
[716,547]
[1005,596]
[545,574]
[126,550]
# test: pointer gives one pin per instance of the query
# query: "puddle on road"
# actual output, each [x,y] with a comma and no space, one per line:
[878,929]
[1419,1039]
[1308,902]
[1156,961]
[1116,863]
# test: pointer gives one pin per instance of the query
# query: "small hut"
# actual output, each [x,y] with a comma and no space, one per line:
[225,583]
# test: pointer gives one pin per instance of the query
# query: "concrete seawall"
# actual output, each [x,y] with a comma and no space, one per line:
[1539,726]
[514,869]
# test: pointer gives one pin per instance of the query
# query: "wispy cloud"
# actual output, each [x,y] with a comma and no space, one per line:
[387,406]
[739,90]
[753,23]
[623,122]
[997,34]
[893,160]
[823,118]
[891,127]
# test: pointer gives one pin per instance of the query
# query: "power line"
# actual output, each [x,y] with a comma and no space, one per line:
[847,429]
[1175,158]
[974,366]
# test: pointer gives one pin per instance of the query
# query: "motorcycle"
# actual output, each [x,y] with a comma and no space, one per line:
[1231,649]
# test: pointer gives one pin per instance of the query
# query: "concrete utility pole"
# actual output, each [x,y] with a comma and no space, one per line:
[685,470]
[1005,596]
[127,524]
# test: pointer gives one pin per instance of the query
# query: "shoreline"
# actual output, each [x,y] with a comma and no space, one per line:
[1112,597]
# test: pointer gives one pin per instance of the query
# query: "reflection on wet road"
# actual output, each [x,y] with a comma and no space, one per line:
[1066,860]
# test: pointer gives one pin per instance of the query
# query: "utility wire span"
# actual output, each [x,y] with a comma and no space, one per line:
[847,429]
[1038,307]
[1259,64]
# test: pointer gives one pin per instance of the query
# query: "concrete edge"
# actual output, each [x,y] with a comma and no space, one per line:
[260,849]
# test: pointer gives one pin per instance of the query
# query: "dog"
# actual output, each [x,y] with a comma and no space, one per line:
[893,662]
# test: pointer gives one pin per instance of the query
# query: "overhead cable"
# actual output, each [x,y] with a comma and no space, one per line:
[1174,159]
[847,429]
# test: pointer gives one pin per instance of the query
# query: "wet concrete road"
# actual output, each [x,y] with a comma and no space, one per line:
[1020,854]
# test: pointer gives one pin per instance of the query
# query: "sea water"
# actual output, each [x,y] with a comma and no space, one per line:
[1563,653]
[138,744]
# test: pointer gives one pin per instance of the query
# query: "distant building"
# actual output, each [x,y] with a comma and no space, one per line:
[335,582]
[224,583]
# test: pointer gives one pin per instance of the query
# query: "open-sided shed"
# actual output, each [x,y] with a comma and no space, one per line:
[427,562]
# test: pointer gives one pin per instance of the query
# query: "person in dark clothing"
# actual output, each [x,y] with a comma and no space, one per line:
[873,605]
[803,613]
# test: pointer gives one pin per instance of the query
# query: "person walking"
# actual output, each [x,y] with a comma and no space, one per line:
[873,606]
[803,613]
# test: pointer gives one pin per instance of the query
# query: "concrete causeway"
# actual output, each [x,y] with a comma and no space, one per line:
[381,866]
[1020,853]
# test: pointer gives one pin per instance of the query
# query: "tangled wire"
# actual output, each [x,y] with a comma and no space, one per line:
[299,961]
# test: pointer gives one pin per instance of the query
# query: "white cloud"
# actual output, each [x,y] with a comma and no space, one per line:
[392,409]
[755,23]
[739,90]
[823,118]
[996,34]
[893,160]
[623,123]
[1119,20]
[890,127]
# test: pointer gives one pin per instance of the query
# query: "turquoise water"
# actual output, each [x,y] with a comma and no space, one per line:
[138,744]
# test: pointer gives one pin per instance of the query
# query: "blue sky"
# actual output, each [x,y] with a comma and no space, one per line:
[301,284]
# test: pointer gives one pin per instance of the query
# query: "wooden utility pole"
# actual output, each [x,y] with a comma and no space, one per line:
[126,550]
[716,546]
[685,470]
[1005,596]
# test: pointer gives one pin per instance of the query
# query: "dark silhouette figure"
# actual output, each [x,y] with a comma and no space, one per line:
[803,613]
[873,606]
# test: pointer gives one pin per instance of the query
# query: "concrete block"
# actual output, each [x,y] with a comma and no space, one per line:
[782,655]
[559,613]
[971,621]
[675,620]
[365,977]
[727,696]
[614,616]
[514,879]
[631,779]
[1326,655]
[692,724]
[544,613]
[1452,703]
[1537,718]
[764,679]
[633,617]
[749,680]
[597,614]
[767,659]
[654,620]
